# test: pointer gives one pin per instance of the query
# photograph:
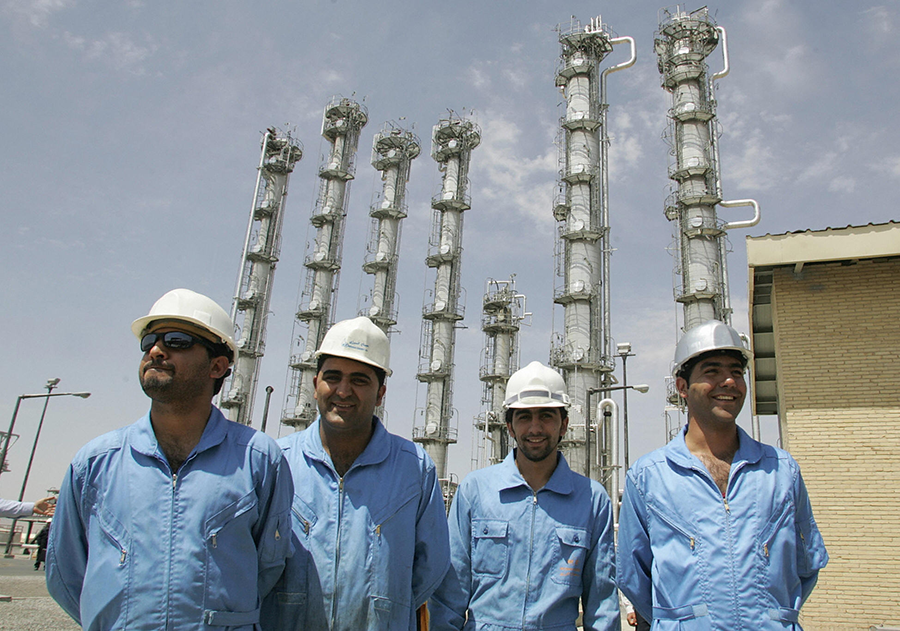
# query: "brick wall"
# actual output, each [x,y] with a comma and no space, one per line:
[837,329]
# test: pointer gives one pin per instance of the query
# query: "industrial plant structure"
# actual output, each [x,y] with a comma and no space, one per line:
[393,151]
[503,310]
[682,44]
[343,120]
[254,286]
[452,142]
[583,350]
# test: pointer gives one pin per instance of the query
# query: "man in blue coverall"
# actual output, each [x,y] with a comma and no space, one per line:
[370,528]
[716,529]
[529,538]
[180,521]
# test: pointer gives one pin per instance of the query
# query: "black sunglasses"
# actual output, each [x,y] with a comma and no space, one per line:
[176,340]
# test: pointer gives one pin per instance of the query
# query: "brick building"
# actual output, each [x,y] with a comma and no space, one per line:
[825,326]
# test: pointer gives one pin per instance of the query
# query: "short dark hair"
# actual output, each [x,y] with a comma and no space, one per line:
[563,413]
[688,367]
[380,374]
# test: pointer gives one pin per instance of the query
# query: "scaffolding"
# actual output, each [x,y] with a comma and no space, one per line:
[435,426]
[343,120]
[262,244]
[583,350]
[503,311]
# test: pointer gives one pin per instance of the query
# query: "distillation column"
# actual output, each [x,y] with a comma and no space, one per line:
[503,310]
[342,123]
[682,44]
[583,352]
[452,141]
[393,151]
[254,287]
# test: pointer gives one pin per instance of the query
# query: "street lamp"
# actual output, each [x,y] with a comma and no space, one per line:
[51,384]
[623,350]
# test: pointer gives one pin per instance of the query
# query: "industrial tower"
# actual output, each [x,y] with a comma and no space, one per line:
[393,151]
[344,118]
[583,351]
[254,285]
[452,141]
[503,310]
[683,42]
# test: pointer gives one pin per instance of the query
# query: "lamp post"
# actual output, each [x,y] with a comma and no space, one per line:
[623,350]
[51,384]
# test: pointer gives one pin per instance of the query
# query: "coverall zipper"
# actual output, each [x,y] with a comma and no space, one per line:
[337,551]
[534,503]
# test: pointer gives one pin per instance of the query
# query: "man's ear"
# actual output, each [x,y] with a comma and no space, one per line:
[681,385]
[218,367]
[381,392]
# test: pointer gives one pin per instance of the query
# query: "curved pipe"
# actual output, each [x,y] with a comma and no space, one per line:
[624,64]
[724,71]
[602,407]
[748,223]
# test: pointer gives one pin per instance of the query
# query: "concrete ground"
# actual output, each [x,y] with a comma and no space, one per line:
[25,604]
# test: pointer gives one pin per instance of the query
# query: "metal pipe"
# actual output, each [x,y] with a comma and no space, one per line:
[608,408]
[269,390]
[747,223]
[724,71]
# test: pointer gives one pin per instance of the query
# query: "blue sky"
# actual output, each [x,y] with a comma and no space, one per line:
[131,136]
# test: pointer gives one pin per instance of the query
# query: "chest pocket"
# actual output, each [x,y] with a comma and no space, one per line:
[573,549]
[490,546]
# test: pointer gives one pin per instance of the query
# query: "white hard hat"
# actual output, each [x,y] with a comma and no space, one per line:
[360,340]
[189,306]
[536,386]
[703,338]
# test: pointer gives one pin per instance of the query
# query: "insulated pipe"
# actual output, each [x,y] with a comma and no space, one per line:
[609,408]
[748,223]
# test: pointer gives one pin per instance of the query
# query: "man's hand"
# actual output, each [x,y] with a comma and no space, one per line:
[46,506]
[632,619]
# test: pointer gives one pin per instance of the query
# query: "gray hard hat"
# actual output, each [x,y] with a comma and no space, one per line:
[703,338]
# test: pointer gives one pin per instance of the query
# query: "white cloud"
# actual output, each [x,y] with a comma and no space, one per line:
[37,13]
[117,50]
[890,166]
[756,168]
[879,23]
[511,180]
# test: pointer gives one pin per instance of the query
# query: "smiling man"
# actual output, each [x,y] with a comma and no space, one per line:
[716,529]
[182,519]
[370,529]
[530,538]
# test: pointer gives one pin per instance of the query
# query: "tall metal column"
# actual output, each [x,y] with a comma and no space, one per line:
[583,351]
[393,151]
[503,310]
[682,43]
[452,142]
[254,285]
[344,118]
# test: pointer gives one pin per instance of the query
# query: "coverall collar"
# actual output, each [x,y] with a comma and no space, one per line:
[560,481]
[144,439]
[375,452]
[749,451]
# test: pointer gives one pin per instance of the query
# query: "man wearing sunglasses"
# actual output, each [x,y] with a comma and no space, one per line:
[181,520]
